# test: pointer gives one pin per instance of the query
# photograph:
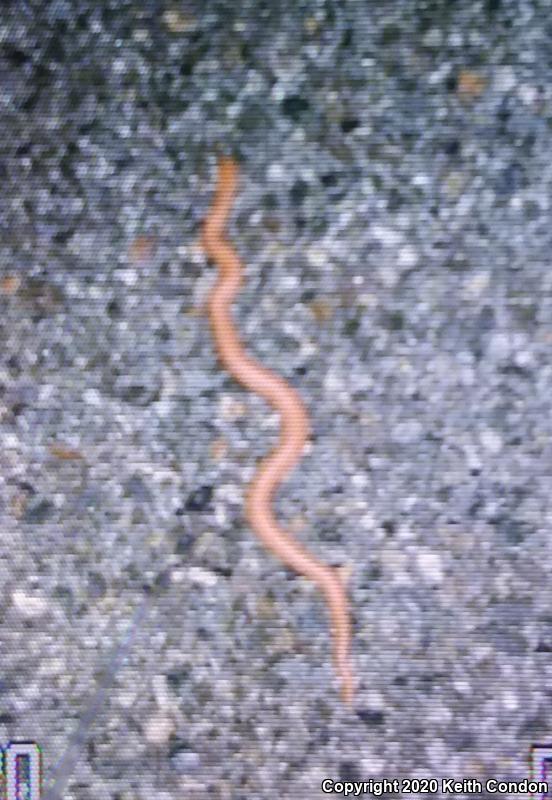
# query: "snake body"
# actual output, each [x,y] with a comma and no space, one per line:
[294,425]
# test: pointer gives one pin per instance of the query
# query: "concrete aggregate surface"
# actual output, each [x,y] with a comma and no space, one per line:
[394,220]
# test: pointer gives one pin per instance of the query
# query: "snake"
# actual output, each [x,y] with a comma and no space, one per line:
[294,425]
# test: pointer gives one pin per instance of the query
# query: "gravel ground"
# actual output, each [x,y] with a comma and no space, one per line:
[394,217]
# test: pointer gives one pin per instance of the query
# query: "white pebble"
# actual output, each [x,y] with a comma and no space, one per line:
[433,38]
[466,375]
[126,698]
[476,285]
[92,397]
[289,282]
[276,172]
[128,276]
[202,577]
[436,752]
[491,441]
[373,765]
[333,381]
[387,236]
[359,481]
[528,94]
[158,729]
[316,257]
[504,79]
[367,522]
[421,180]
[388,275]
[10,441]
[524,359]
[408,257]
[430,566]
[500,346]
[29,606]
[509,700]
[52,666]
[463,687]
[395,564]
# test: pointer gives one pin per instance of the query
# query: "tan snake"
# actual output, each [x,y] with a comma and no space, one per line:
[294,427]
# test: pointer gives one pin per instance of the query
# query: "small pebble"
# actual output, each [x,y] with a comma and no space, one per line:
[430,566]
[491,441]
[504,79]
[509,700]
[158,729]
[202,577]
[199,499]
[408,257]
[500,346]
[29,606]
[387,236]
[408,431]
[185,761]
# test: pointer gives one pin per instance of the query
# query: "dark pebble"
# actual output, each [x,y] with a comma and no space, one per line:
[293,106]
[38,511]
[97,585]
[370,717]
[199,499]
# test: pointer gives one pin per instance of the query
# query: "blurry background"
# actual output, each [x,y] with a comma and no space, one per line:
[394,219]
